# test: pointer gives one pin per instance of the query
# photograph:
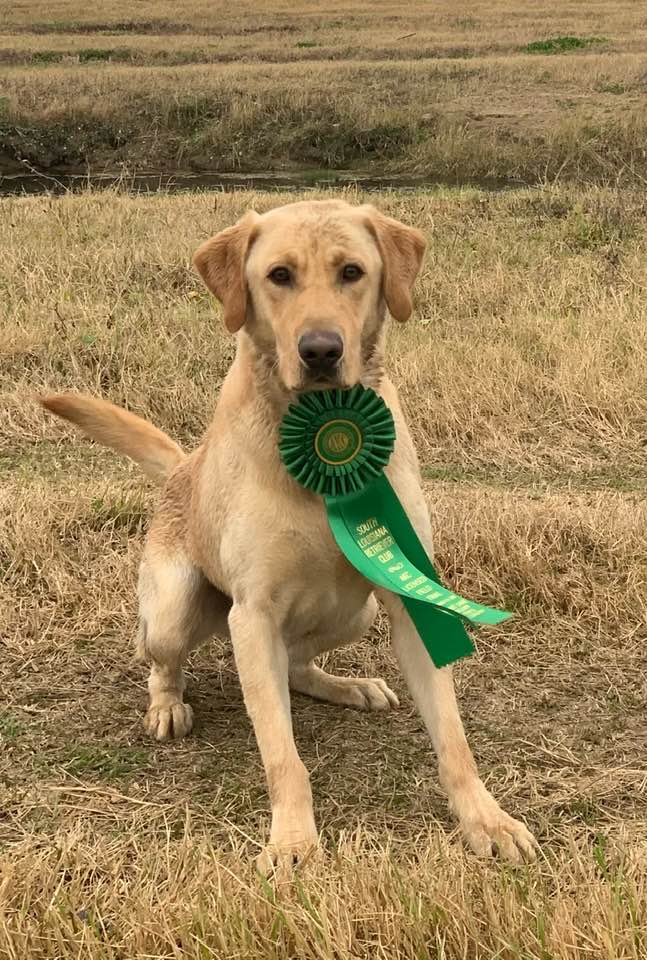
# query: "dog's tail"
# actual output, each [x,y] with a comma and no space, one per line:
[114,427]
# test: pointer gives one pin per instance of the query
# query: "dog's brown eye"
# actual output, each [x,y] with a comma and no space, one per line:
[351,272]
[281,276]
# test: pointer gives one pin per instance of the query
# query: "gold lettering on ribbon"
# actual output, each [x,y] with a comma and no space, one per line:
[338,442]
[381,532]
[415,583]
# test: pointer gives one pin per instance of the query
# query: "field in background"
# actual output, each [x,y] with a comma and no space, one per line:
[523,374]
[530,91]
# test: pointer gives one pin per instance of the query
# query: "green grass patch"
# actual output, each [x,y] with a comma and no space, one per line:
[10,727]
[107,762]
[127,515]
[583,810]
[92,54]
[46,56]
[107,26]
[605,86]
[562,44]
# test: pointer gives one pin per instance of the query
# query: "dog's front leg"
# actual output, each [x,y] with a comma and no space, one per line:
[262,662]
[486,827]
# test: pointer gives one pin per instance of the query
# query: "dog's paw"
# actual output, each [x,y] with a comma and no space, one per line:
[490,831]
[169,722]
[365,693]
[282,860]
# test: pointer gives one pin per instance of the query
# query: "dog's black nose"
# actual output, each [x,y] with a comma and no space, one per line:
[321,350]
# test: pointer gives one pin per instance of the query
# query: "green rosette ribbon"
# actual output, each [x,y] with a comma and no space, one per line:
[337,444]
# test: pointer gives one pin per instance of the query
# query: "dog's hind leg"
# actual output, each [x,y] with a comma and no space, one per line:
[363,693]
[178,610]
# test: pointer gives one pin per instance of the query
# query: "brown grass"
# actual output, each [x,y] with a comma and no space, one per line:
[446,93]
[523,376]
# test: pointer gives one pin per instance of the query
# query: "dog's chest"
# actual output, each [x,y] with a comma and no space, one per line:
[311,571]
[283,553]
[326,594]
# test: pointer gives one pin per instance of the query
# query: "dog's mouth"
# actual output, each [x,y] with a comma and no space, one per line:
[311,382]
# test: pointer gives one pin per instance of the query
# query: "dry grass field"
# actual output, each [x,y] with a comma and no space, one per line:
[523,374]
[524,377]
[529,91]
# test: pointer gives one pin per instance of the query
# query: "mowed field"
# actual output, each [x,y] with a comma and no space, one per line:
[523,374]
[529,91]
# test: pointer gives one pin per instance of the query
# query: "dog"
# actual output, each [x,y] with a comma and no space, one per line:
[238,548]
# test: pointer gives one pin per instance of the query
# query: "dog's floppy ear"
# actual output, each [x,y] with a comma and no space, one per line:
[221,264]
[401,249]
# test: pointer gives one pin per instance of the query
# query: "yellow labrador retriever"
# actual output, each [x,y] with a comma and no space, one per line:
[238,548]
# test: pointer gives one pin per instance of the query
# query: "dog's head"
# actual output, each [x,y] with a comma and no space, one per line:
[309,283]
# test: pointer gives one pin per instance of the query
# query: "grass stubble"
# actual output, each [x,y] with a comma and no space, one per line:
[528,93]
[523,376]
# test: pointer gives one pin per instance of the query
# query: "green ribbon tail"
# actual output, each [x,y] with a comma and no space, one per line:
[374,533]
